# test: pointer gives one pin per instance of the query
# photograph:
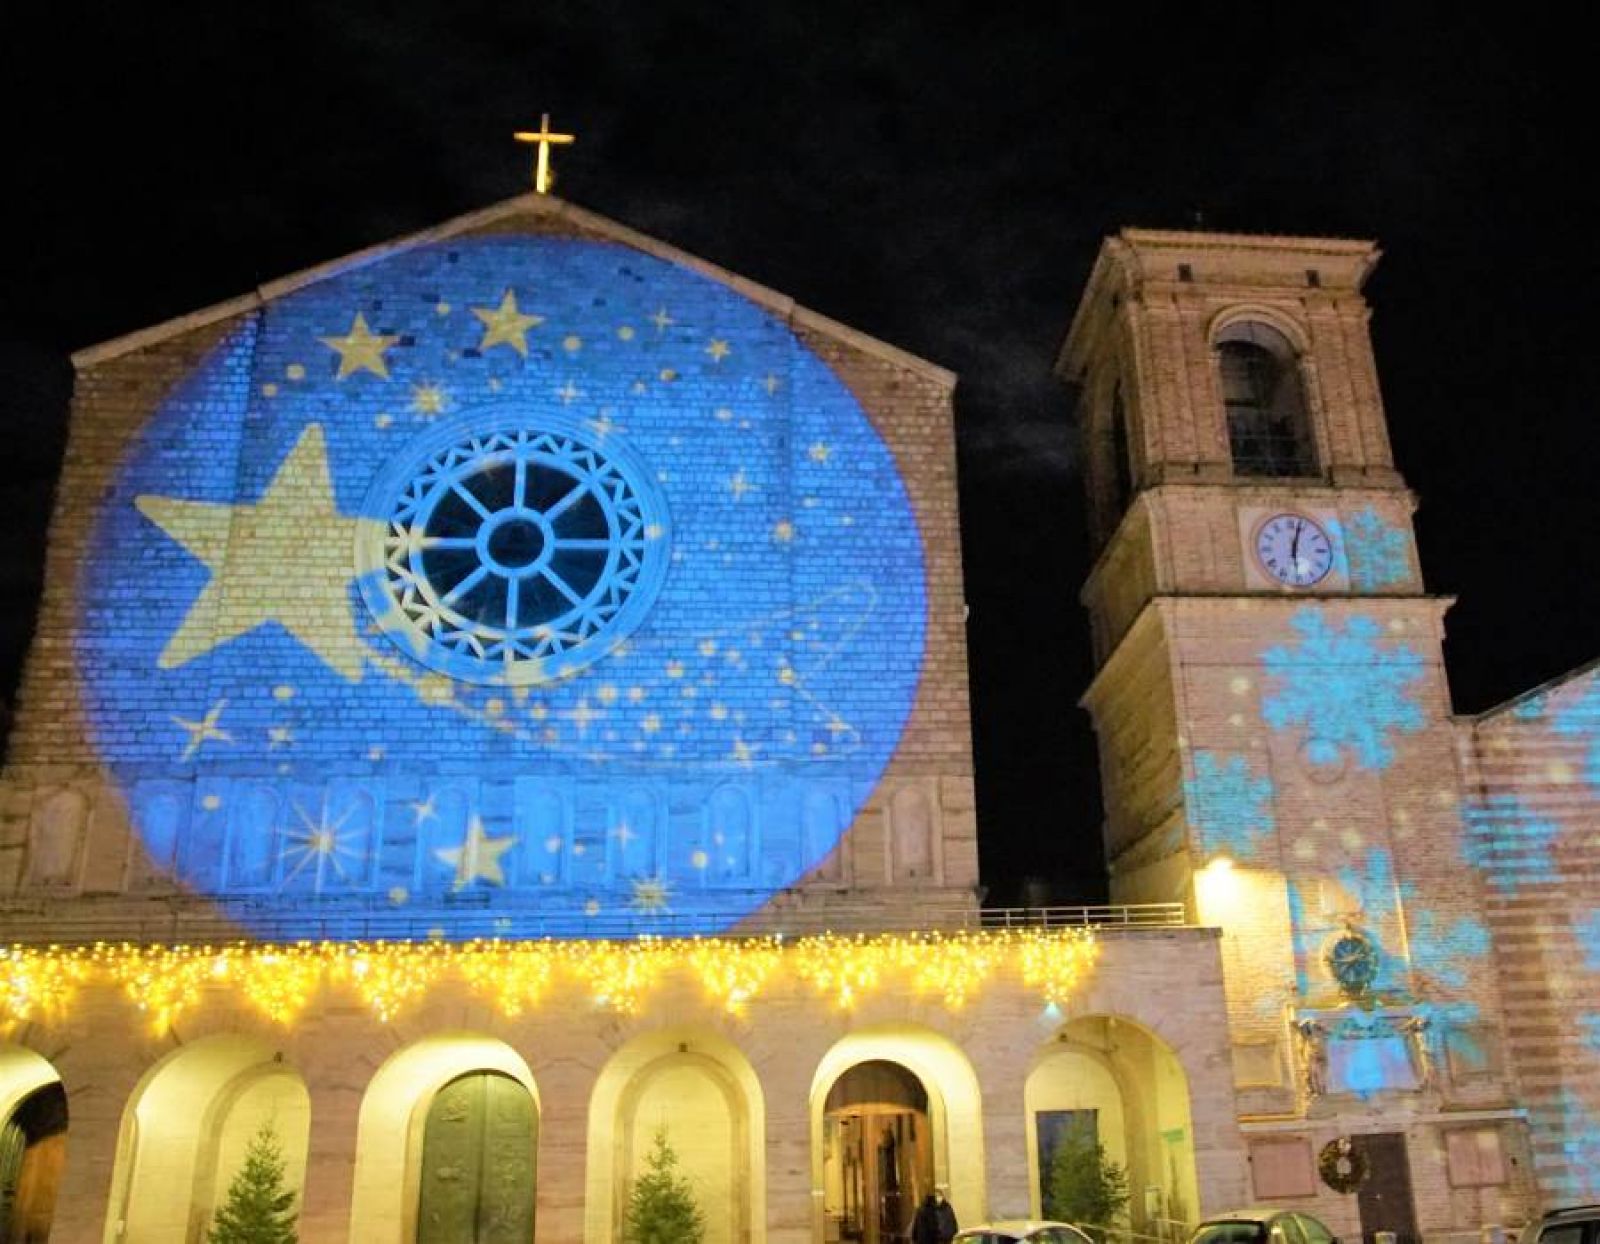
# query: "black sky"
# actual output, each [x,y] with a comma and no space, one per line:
[937,178]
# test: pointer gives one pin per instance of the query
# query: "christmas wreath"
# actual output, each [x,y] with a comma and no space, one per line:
[1342,1166]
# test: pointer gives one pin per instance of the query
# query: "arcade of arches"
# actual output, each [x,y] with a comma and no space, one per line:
[452,1132]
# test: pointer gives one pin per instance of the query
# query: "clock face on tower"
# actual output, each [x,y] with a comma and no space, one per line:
[1293,550]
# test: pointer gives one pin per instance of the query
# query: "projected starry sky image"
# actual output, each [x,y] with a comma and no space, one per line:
[485,503]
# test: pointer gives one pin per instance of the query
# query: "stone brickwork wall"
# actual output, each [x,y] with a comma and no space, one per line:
[1533,832]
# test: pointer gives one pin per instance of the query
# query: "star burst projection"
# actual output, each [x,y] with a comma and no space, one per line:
[1348,691]
[596,586]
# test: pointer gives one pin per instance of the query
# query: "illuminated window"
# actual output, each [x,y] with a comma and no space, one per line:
[515,555]
[1269,428]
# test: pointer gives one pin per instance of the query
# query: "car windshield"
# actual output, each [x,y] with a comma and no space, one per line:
[1229,1233]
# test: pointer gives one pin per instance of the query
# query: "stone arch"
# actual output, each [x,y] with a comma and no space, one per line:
[185,1130]
[719,1131]
[392,1123]
[1138,1092]
[33,1142]
[954,1106]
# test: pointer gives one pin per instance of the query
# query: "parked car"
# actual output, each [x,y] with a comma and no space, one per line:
[1577,1224]
[1265,1225]
[1017,1230]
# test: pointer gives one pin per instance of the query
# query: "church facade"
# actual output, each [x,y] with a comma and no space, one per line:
[501,698]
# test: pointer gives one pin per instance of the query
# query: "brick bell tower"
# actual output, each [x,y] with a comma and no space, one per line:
[1274,723]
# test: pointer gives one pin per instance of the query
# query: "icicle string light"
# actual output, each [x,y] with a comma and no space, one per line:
[281,981]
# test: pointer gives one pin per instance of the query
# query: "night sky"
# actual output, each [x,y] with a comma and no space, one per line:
[938,180]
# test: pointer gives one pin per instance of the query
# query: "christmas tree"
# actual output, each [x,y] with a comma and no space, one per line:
[662,1208]
[259,1209]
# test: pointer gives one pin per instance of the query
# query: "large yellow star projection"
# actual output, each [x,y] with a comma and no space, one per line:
[247,549]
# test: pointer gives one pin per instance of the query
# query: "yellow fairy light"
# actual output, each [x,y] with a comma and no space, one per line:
[1055,961]
[515,975]
[279,980]
[389,975]
[163,981]
[845,967]
[953,968]
[34,983]
[734,972]
[619,974]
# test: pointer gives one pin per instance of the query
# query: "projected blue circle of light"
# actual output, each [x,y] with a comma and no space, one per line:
[510,586]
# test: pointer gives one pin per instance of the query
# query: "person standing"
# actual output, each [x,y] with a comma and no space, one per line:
[925,1226]
[946,1217]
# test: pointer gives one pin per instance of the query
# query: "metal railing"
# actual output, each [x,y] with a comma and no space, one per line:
[1126,915]
[67,923]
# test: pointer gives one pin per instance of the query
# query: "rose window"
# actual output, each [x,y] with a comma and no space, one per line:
[514,556]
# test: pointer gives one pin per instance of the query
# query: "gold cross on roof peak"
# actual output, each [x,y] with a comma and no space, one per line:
[546,138]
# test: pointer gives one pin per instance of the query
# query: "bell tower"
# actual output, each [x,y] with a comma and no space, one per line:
[1274,724]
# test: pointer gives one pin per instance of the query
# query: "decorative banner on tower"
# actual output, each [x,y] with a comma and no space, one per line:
[503,586]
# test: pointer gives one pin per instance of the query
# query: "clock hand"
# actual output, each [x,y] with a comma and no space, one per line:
[1294,544]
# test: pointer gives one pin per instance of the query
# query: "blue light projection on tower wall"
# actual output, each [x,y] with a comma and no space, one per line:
[1347,691]
[1579,717]
[1377,553]
[512,586]
[1229,808]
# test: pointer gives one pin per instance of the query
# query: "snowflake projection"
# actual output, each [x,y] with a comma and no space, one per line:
[1509,845]
[1577,1127]
[1346,690]
[1445,952]
[1376,552]
[1589,1026]
[1580,718]
[1588,934]
[1530,709]
[1374,906]
[1230,809]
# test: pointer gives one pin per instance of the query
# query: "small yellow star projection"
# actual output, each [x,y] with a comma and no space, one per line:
[360,349]
[204,729]
[285,559]
[478,857]
[506,325]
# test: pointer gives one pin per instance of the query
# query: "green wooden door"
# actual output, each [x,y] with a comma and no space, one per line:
[478,1163]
